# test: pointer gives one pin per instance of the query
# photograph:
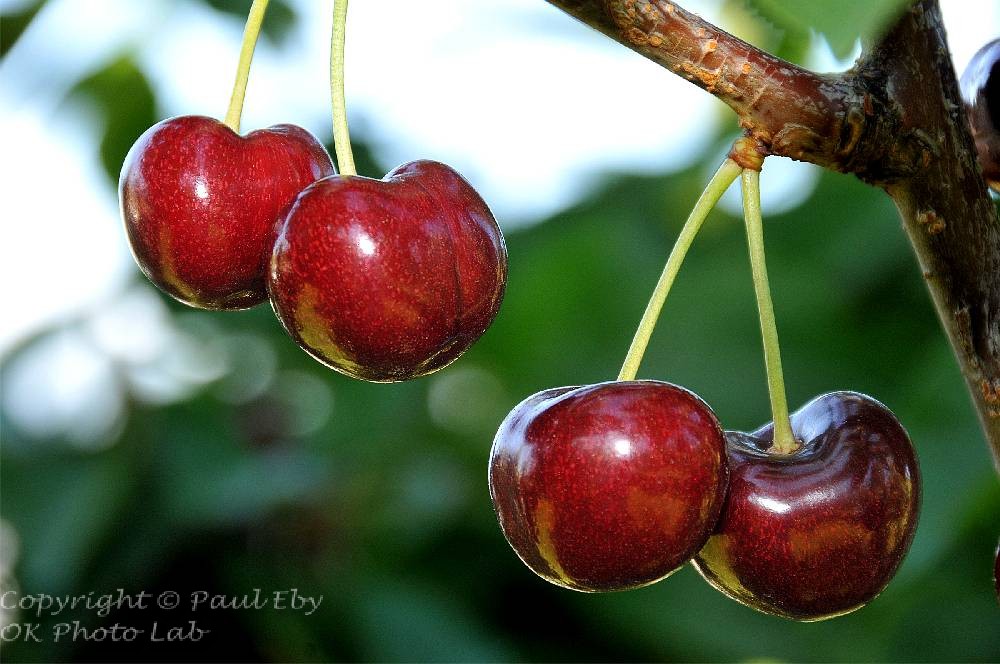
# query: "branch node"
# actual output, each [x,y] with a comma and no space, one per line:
[749,153]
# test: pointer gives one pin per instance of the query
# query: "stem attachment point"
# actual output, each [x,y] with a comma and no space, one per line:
[748,153]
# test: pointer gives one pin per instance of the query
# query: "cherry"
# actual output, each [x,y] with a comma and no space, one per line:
[609,486]
[385,280]
[390,279]
[200,204]
[981,93]
[996,572]
[818,532]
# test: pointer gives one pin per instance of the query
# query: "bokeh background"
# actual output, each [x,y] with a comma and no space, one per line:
[147,446]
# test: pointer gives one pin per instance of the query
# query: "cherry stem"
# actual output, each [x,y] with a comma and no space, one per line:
[254,20]
[717,186]
[784,440]
[341,134]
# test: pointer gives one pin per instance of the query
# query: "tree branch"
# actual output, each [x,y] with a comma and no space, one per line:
[895,120]
[789,110]
[946,210]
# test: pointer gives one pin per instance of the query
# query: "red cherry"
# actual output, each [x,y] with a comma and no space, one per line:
[980,86]
[819,532]
[390,279]
[200,204]
[996,572]
[609,486]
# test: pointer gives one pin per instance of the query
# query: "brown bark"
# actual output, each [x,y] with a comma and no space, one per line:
[947,213]
[895,120]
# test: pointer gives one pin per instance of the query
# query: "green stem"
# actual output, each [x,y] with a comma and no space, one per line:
[717,186]
[341,135]
[784,441]
[250,33]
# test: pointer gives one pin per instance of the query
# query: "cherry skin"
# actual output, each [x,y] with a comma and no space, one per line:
[200,203]
[387,280]
[609,486]
[996,572]
[819,532]
[980,86]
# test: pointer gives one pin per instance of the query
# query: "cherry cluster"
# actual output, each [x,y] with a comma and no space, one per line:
[616,485]
[599,487]
[382,280]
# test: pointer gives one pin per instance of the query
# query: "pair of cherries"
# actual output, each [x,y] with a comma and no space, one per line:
[616,485]
[382,280]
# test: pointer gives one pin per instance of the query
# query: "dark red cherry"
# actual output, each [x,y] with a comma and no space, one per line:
[819,532]
[996,572]
[390,279]
[981,93]
[609,486]
[200,203]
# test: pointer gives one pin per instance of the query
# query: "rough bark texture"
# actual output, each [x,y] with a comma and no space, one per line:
[895,120]
[947,213]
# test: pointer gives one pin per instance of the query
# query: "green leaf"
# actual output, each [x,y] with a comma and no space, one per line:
[13,24]
[277,23]
[402,620]
[63,505]
[841,22]
[123,122]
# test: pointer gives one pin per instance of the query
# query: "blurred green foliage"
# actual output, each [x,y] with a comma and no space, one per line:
[280,16]
[106,88]
[13,23]
[841,26]
[384,510]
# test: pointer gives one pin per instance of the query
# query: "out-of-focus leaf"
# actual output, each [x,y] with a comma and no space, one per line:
[207,478]
[277,23]
[62,506]
[125,100]
[12,24]
[841,21]
[405,622]
[955,594]
[743,20]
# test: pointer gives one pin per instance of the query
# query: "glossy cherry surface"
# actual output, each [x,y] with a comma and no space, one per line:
[390,279]
[981,93]
[819,532]
[200,204]
[996,572]
[609,486]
